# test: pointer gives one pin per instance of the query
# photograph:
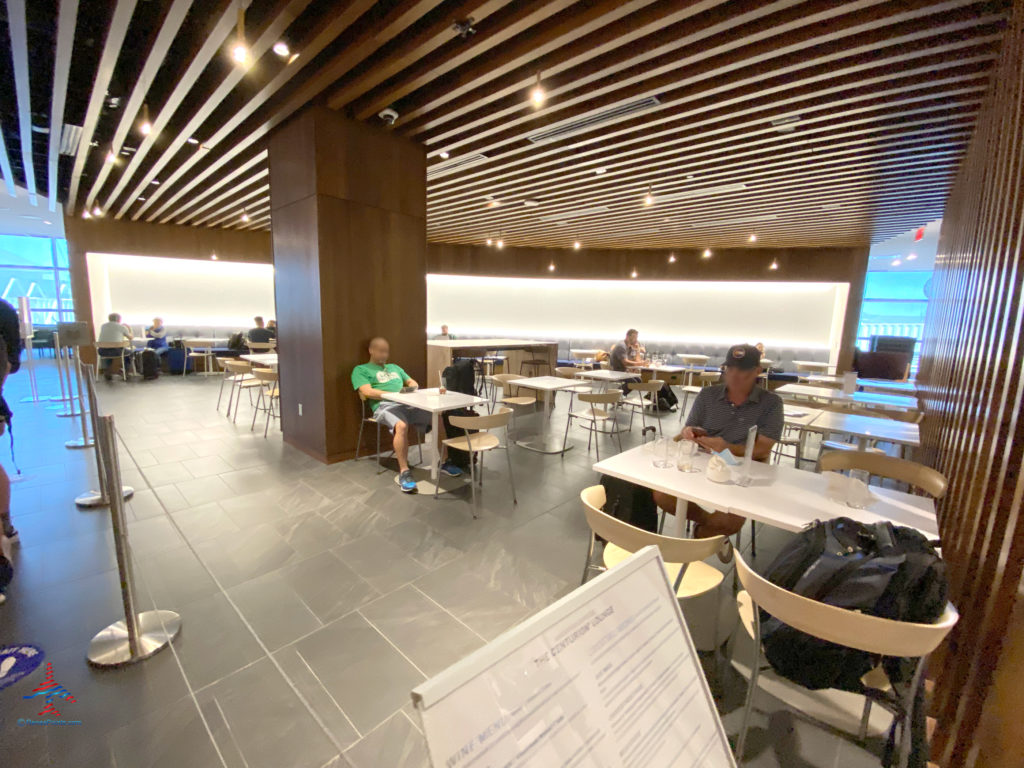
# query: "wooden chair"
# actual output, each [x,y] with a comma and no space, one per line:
[267,379]
[594,415]
[196,349]
[852,629]
[650,389]
[912,473]
[567,372]
[261,347]
[235,371]
[367,417]
[479,442]
[245,382]
[509,394]
[535,363]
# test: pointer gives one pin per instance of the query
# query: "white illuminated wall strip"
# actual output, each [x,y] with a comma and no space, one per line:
[797,315]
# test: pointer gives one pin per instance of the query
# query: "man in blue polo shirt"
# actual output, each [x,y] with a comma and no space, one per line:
[719,420]
[374,379]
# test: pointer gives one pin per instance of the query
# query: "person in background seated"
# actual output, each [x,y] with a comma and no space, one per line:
[378,376]
[444,335]
[719,420]
[272,327]
[157,334]
[626,354]
[260,333]
[111,332]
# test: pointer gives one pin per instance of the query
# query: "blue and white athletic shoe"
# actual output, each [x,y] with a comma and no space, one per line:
[406,482]
[450,469]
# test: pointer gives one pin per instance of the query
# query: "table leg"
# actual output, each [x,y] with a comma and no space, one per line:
[680,522]
[433,454]
[544,442]
[862,443]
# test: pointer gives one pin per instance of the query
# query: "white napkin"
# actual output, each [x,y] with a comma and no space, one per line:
[717,470]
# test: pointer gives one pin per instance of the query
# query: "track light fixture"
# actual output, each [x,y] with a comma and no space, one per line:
[501,242]
[537,95]
[240,51]
[489,241]
[576,245]
[633,273]
[444,154]
[671,258]
[649,197]
[706,254]
[752,238]
[551,267]
[86,215]
[245,216]
[96,211]
[281,49]
[213,257]
[774,264]
[145,127]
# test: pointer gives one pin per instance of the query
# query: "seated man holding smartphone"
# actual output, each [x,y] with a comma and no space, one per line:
[720,419]
[378,377]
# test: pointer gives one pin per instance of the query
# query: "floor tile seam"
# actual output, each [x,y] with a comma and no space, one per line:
[387,639]
[316,717]
[231,731]
[435,602]
[330,695]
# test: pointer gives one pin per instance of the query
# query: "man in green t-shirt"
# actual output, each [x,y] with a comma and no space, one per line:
[378,377]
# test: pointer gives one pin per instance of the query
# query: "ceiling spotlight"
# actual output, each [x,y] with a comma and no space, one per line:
[649,197]
[633,273]
[444,154]
[599,171]
[464,28]
[706,254]
[213,257]
[145,127]
[155,182]
[671,258]
[911,256]
[240,51]
[551,267]
[752,238]
[896,262]
[537,95]
[245,216]
[774,264]
[293,57]
[96,211]
[111,157]
[576,245]
[47,222]
[192,140]
[493,203]
[86,215]
[281,49]
[500,243]
[530,202]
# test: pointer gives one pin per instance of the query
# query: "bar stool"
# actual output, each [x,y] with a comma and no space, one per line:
[535,363]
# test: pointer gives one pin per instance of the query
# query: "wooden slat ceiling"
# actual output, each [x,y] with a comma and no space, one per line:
[804,122]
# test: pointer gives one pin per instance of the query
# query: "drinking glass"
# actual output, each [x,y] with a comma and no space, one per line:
[685,454]
[663,453]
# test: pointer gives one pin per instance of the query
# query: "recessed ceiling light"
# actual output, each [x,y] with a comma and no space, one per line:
[444,154]
[293,57]
[671,258]
[192,140]
[649,197]
[752,238]
[245,216]
[599,171]
[281,49]
[155,182]
[911,256]
[47,222]
[530,202]
[896,262]
[774,264]
[111,157]
[493,203]
[537,95]
[577,245]
[140,199]
[706,254]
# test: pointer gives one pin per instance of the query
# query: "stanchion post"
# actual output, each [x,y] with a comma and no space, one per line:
[84,441]
[60,372]
[97,498]
[139,635]
[70,412]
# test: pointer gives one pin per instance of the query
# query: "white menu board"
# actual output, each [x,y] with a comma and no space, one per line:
[608,676]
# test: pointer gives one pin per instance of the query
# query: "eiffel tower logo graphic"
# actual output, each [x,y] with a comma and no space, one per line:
[50,690]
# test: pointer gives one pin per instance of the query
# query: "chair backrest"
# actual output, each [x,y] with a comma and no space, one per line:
[929,480]
[260,346]
[631,538]
[494,420]
[565,372]
[502,380]
[124,344]
[235,366]
[265,375]
[600,398]
[843,626]
[654,385]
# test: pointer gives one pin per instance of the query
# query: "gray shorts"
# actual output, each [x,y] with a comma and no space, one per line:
[389,414]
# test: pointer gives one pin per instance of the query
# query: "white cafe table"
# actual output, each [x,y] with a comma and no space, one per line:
[812,365]
[605,376]
[821,380]
[781,496]
[548,385]
[867,399]
[800,416]
[694,359]
[888,386]
[866,428]
[265,360]
[432,401]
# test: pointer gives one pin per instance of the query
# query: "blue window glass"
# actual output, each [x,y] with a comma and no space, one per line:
[61,246]
[895,303]
[897,285]
[22,251]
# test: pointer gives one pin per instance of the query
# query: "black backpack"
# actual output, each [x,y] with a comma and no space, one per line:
[631,503]
[881,570]
[150,364]
[237,341]
[460,376]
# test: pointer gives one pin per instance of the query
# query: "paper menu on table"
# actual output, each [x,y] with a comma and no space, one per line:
[607,676]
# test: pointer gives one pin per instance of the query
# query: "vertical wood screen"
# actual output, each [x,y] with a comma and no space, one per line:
[973,373]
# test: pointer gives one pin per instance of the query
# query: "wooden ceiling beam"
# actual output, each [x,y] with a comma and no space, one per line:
[169,28]
[233,205]
[228,194]
[67,16]
[498,32]
[259,159]
[5,167]
[17,28]
[116,32]
[280,19]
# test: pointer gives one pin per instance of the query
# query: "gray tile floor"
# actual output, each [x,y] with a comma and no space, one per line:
[313,598]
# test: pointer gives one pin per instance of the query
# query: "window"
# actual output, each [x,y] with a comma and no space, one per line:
[894,305]
[37,268]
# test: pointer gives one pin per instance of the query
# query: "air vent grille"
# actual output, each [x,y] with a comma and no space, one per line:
[70,135]
[689,194]
[459,162]
[590,121]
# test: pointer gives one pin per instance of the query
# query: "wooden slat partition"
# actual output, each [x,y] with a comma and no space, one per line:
[973,375]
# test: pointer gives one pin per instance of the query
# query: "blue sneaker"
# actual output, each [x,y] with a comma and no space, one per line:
[450,469]
[406,482]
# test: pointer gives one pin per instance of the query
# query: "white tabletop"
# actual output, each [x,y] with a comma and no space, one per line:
[781,496]
[821,379]
[202,340]
[602,374]
[886,385]
[663,368]
[812,365]
[694,358]
[269,359]
[433,401]
[487,343]
[799,416]
[893,402]
[584,352]
[886,430]
[544,383]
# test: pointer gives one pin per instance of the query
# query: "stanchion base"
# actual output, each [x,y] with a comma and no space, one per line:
[95,498]
[79,442]
[109,648]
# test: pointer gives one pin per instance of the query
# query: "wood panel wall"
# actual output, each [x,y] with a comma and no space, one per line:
[830,265]
[972,370]
[143,239]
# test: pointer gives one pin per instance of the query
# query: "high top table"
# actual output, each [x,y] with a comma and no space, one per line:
[868,399]
[781,496]
[545,442]
[432,401]
[441,353]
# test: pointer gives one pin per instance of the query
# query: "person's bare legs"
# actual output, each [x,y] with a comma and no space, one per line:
[5,503]
[706,524]
[400,442]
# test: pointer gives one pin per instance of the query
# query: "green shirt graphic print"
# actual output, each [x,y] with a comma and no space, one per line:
[387,378]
